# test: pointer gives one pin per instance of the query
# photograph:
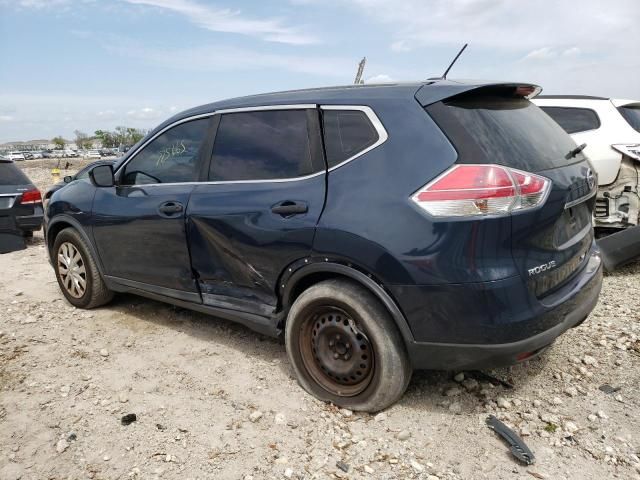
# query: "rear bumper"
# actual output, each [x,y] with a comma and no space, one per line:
[619,248]
[546,320]
[30,223]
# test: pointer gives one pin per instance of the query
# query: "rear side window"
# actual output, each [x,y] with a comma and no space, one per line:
[346,133]
[632,116]
[574,120]
[261,145]
[170,158]
[12,175]
[505,131]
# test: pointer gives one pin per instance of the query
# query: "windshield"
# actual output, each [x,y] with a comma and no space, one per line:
[503,130]
[632,115]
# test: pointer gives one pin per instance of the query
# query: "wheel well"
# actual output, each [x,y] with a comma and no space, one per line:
[311,280]
[343,272]
[53,232]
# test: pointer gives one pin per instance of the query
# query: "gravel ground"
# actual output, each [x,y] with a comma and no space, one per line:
[214,400]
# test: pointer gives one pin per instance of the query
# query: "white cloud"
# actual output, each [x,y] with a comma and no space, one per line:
[505,25]
[382,78]
[6,118]
[232,21]
[543,53]
[572,52]
[221,58]
[400,46]
[145,113]
[36,4]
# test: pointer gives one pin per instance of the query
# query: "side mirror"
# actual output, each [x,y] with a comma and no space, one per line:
[67,179]
[102,176]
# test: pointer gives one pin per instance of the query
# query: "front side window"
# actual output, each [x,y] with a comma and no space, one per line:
[632,115]
[170,158]
[346,133]
[574,120]
[261,145]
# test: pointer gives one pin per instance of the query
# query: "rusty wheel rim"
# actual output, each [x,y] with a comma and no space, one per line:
[336,352]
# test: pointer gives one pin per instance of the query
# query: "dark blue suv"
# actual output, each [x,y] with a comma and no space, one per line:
[380,229]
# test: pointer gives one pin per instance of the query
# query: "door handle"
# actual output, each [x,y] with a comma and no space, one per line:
[169,209]
[289,207]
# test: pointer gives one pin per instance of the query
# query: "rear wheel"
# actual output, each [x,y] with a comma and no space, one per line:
[345,348]
[76,271]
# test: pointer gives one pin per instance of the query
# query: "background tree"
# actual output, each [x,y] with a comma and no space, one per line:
[107,138]
[82,140]
[59,142]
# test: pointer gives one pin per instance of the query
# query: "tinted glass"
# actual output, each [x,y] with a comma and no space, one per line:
[505,131]
[12,175]
[261,145]
[574,120]
[171,157]
[631,115]
[346,132]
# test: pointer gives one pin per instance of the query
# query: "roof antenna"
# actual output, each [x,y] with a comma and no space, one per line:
[444,75]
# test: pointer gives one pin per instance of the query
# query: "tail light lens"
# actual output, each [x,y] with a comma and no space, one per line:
[481,190]
[30,197]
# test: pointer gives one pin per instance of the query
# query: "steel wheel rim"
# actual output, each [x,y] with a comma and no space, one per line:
[336,352]
[71,269]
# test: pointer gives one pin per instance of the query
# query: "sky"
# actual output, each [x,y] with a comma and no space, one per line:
[96,64]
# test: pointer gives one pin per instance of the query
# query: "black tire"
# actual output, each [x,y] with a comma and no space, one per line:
[382,381]
[95,292]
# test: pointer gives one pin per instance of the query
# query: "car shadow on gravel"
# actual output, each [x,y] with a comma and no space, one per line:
[140,313]
[426,391]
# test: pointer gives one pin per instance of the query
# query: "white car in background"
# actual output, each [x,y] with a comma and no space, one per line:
[611,129]
[93,154]
[15,156]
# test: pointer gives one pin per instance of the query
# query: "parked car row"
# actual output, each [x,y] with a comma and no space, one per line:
[66,153]
[378,229]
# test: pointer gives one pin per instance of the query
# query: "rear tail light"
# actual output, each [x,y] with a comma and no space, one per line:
[30,197]
[481,190]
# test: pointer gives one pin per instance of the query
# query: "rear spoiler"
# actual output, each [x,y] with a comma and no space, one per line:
[438,90]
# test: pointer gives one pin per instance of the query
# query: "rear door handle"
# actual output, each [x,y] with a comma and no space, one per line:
[170,209]
[289,207]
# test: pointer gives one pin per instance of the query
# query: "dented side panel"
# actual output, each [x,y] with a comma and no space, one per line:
[239,247]
[618,204]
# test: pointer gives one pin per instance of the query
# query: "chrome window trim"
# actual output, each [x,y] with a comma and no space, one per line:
[371,115]
[375,121]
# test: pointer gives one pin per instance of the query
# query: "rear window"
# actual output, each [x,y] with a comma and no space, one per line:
[632,116]
[12,175]
[346,133]
[574,120]
[503,130]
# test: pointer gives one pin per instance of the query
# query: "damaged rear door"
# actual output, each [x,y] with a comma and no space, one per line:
[259,209]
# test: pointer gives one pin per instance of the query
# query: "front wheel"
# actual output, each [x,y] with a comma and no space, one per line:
[76,271]
[345,348]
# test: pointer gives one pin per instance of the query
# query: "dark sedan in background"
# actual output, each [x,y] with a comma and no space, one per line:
[20,207]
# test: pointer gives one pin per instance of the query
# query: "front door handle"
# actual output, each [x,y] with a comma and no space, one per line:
[170,209]
[289,207]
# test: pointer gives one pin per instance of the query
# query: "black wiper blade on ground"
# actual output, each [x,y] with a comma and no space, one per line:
[517,446]
[575,151]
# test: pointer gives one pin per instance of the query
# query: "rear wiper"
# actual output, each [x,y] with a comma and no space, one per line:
[575,151]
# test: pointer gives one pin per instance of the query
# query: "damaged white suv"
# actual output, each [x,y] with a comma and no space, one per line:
[611,129]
